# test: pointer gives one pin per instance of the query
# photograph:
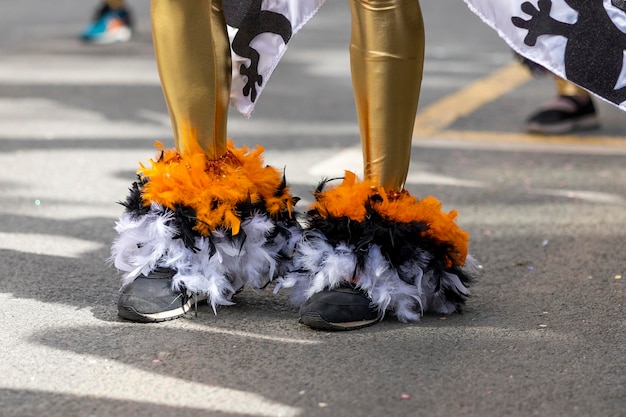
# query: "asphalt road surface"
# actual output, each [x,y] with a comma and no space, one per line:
[542,335]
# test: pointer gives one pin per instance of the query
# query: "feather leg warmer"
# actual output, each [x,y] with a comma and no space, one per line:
[219,224]
[406,254]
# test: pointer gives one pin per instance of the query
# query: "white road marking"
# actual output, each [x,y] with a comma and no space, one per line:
[48,245]
[39,118]
[23,321]
[77,70]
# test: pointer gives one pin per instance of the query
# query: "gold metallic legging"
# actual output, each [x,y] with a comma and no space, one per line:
[386,55]
[115,4]
[565,88]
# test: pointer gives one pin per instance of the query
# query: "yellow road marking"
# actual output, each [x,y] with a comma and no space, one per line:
[433,120]
[444,112]
[525,138]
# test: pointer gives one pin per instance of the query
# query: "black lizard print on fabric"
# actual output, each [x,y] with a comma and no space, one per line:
[594,52]
[252,21]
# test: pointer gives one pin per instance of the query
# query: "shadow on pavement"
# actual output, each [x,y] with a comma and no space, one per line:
[36,403]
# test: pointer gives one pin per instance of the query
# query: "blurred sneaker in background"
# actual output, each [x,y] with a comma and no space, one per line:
[565,114]
[112,23]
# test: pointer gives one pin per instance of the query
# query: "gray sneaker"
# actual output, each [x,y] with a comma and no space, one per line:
[150,299]
[344,308]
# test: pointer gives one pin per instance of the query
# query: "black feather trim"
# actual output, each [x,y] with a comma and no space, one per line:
[400,243]
[455,297]
[185,219]
[134,203]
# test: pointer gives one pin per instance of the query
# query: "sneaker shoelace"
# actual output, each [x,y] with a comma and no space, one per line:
[184,297]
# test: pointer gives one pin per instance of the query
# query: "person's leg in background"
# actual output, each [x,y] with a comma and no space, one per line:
[571,110]
[370,247]
[111,23]
[205,218]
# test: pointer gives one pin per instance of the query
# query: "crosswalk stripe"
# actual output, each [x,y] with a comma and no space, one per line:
[49,245]
[77,70]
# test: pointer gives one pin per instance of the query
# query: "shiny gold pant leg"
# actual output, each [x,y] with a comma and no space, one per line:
[193,58]
[386,58]
[565,88]
[115,4]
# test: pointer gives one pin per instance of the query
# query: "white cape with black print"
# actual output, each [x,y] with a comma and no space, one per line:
[583,41]
[259,31]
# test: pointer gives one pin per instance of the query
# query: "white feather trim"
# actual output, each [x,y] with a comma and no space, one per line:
[249,258]
[317,265]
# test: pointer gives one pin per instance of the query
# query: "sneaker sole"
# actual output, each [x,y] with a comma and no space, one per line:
[117,36]
[586,123]
[131,314]
[316,321]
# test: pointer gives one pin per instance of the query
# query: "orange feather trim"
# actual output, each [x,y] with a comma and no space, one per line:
[352,197]
[214,188]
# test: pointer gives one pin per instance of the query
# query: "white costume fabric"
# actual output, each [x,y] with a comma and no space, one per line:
[265,31]
[582,41]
